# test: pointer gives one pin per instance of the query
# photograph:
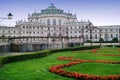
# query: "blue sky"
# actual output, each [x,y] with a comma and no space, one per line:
[99,12]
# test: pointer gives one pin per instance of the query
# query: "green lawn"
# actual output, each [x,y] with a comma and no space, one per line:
[95,69]
[37,69]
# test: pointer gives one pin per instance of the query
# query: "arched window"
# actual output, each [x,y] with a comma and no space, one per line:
[59,21]
[48,22]
[106,37]
[54,21]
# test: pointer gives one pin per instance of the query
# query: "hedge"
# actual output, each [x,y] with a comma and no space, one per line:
[39,54]
[74,48]
[14,58]
[112,45]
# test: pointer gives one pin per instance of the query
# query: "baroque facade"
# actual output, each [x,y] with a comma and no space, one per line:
[53,28]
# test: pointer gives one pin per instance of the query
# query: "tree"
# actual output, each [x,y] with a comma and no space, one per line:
[88,41]
[115,40]
[101,40]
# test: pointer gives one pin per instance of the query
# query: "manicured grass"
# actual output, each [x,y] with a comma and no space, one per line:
[101,69]
[38,69]
[108,50]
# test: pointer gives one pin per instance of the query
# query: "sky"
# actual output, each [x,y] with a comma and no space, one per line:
[99,12]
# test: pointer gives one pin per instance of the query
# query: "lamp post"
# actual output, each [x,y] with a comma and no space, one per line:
[100,37]
[53,43]
[82,36]
[48,42]
[119,36]
[9,16]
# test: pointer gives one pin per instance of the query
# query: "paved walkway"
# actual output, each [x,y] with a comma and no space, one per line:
[13,53]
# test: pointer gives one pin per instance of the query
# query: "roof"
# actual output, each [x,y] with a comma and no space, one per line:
[52,10]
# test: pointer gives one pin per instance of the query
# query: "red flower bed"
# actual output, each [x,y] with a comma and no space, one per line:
[118,49]
[79,76]
[94,50]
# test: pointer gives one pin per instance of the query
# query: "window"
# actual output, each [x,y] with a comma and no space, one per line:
[48,22]
[26,27]
[79,27]
[106,37]
[54,21]
[54,28]
[41,27]
[54,35]
[86,36]
[48,28]
[60,34]
[86,26]
[95,30]
[60,28]
[30,32]
[82,27]
[106,30]
[48,34]
[111,35]
[38,27]
[23,27]
[33,27]
[30,27]
[95,36]
[59,21]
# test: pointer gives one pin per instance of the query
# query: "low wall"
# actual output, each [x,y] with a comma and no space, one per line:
[102,44]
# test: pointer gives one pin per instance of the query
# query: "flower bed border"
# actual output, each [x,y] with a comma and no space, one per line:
[79,76]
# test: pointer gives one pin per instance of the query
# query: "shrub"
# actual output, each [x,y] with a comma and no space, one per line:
[40,54]
[112,45]
[117,45]
[74,48]
[14,58]
[115,40]
[101,40]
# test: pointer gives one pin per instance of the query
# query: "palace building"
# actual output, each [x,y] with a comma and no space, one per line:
[53,28]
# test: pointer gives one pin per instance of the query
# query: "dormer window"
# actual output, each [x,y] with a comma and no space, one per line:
[54,21]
